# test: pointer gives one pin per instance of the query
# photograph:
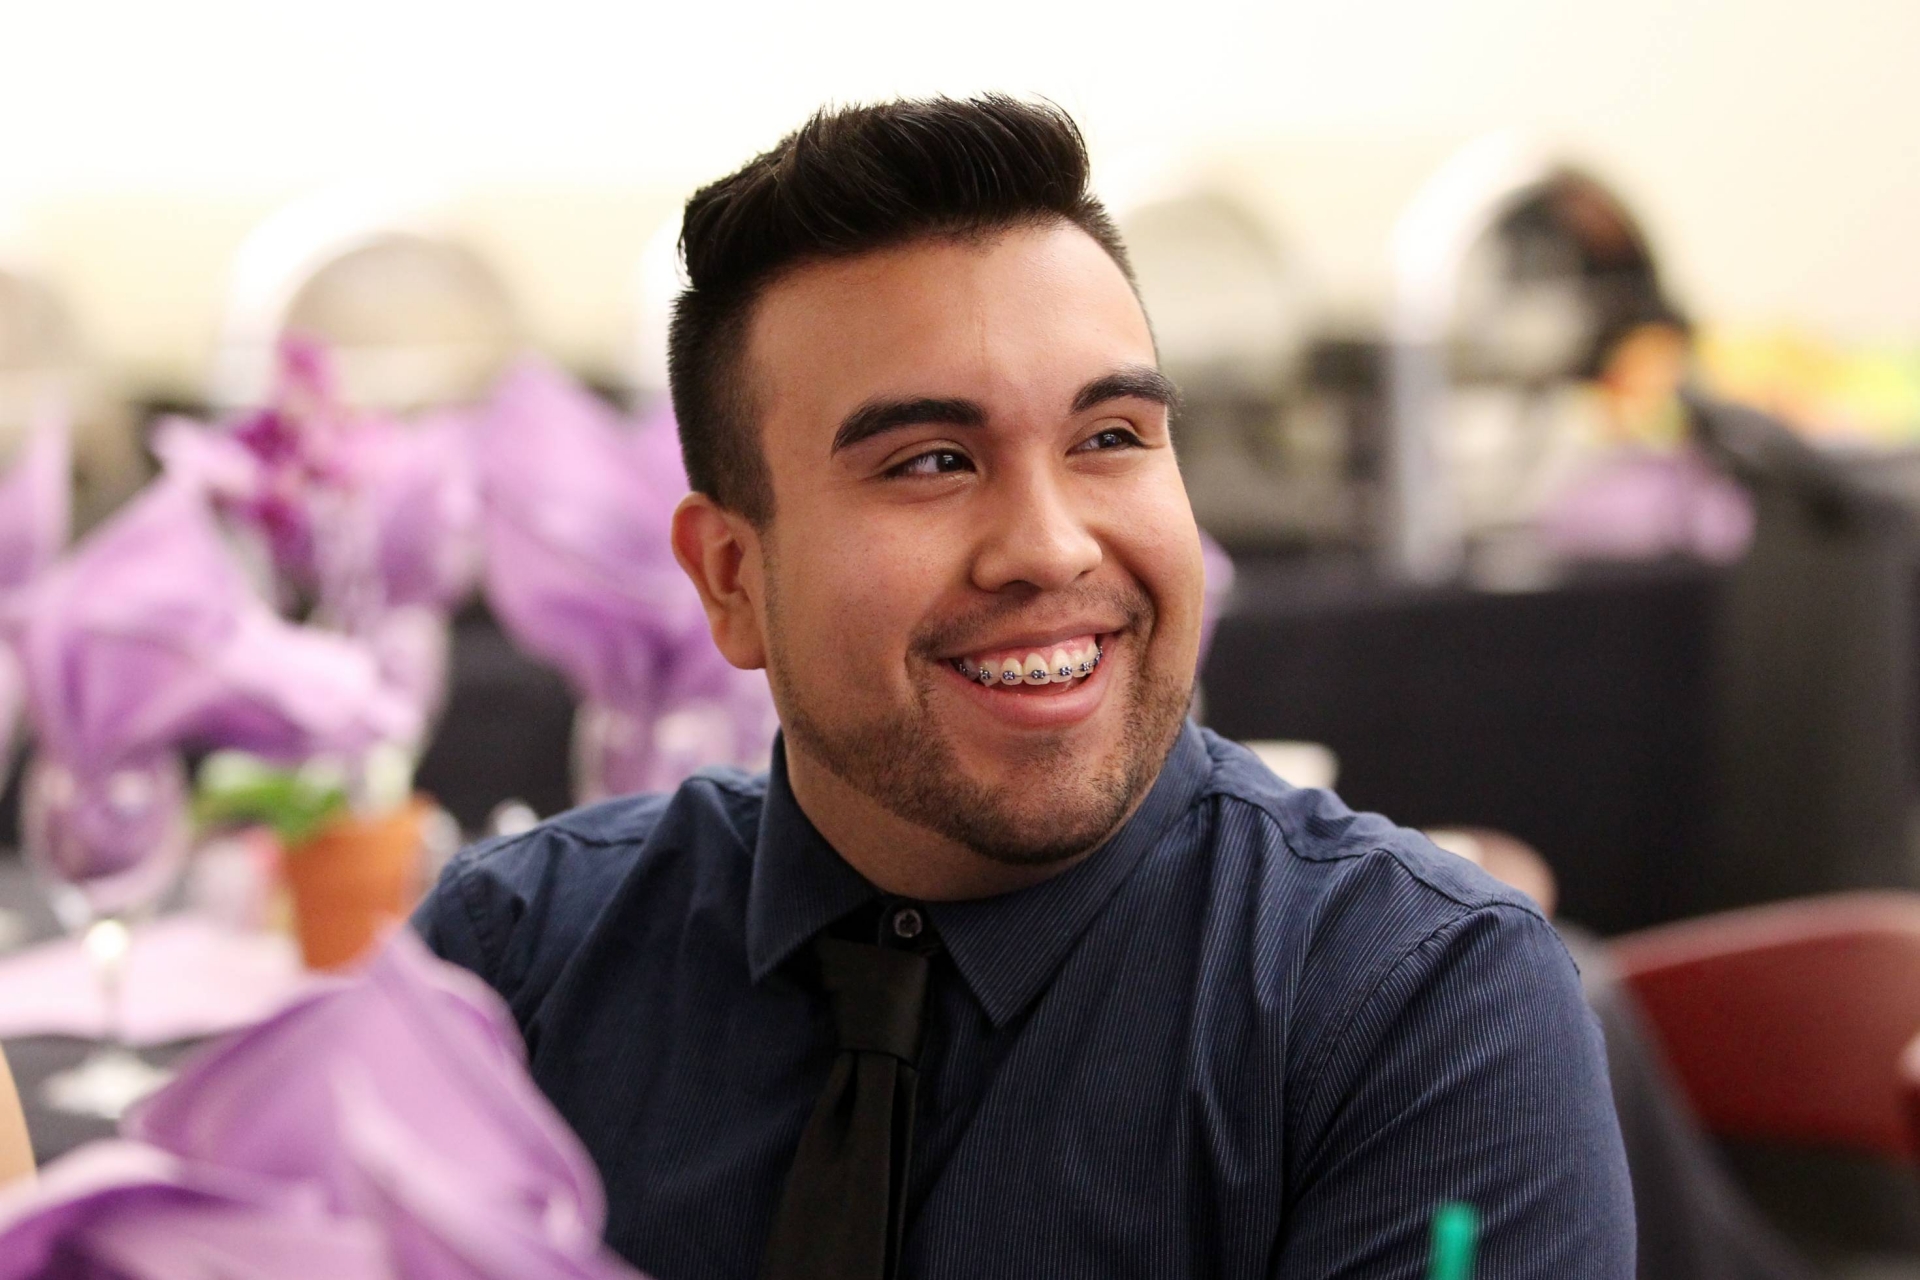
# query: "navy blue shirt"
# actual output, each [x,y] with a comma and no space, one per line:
[1255,1034]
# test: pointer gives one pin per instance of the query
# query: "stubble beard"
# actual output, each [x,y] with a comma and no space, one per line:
[1065,805]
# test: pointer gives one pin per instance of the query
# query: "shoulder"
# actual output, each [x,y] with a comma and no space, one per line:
[1435,1043]
[513,907]
[1308,845]
[1351,904]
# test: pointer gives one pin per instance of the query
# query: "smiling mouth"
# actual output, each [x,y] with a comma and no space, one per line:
[1066,663]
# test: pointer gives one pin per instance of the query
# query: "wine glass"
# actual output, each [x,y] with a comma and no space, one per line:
[107,846]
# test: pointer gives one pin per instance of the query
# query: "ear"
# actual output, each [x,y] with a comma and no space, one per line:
[721,553]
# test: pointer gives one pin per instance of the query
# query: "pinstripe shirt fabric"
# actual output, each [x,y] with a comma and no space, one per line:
[1255,1035]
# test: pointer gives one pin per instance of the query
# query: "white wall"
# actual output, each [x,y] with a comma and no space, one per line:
[1773,144]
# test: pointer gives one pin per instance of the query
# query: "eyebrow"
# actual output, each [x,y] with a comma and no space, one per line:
[1135,382]
[876,417]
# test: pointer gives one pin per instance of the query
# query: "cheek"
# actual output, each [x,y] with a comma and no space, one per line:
[867,587]
[1154,536]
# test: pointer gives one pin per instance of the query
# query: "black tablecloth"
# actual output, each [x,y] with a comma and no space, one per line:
[1578,718]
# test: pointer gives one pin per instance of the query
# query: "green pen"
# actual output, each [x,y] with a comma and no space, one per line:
[1456,1231]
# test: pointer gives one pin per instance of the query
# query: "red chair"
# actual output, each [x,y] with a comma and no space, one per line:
[1788,1023]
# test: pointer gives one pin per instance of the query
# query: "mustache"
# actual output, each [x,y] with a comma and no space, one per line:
[965,632]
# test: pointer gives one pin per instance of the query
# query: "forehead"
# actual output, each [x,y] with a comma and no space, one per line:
[1016,319]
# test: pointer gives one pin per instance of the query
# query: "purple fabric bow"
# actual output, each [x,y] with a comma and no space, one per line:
[384,1129]
[579,570]
[421,496]
[149,637]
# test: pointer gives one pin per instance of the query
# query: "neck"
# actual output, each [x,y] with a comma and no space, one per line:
[897,856]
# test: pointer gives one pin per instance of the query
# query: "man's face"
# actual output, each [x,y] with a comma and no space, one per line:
[971,466]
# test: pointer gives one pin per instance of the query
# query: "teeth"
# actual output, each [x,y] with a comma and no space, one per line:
[1063,666]
[1060,667]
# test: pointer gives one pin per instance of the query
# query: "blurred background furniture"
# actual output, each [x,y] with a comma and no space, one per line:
[1784,1026]
[1676,736]
[1695,1222]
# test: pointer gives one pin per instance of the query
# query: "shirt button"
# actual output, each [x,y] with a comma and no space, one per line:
[908,923]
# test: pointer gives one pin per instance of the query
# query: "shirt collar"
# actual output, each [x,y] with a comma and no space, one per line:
[800,885]
[1006,947]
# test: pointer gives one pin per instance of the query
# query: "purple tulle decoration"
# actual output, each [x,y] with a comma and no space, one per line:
[579,570]
[384,1129]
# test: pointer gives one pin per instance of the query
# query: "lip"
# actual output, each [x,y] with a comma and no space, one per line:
[1042,641]
[1039,708]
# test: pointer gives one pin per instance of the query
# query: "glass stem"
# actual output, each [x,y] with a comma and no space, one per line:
[107,941]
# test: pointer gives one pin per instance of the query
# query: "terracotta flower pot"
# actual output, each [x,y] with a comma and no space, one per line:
[352,880]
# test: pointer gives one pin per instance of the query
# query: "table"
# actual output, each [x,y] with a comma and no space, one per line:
[35,1058]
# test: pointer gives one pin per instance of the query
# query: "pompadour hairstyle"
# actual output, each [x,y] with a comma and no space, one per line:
[850,181]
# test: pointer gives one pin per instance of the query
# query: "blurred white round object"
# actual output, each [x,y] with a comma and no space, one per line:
[1225,303]
[44,370]
[1504,857]
[1304,764]
[658,282]
[39,355]
[511,818]
[413,316]
[1231,310]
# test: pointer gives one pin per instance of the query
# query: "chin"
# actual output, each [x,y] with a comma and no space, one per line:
[1045,811]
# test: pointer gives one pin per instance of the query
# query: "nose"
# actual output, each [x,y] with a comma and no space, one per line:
[1034,534]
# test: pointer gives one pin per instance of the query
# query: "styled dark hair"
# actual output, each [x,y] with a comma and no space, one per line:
[849,181]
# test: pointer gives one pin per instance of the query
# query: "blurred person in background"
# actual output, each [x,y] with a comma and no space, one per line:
[1005,967]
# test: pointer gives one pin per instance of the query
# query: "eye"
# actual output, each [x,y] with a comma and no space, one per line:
[934,462]
[1111,438]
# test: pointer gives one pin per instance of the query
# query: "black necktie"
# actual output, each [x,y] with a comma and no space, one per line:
[841,1214]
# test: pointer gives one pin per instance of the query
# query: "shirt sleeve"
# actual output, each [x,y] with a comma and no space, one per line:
[1473,1072]
[455,918]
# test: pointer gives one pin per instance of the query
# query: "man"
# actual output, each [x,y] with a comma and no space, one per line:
[1004,969]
